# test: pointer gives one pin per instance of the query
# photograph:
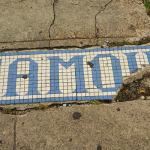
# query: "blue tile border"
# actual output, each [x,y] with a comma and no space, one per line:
[131,64]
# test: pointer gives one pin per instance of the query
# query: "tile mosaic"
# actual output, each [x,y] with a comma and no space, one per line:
[67,75]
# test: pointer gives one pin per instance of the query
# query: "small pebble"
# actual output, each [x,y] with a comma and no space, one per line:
[142,97]
[90,64]
[76,115]
[25,76]
[70,140]
[64,105]
[1,142]
[118,109]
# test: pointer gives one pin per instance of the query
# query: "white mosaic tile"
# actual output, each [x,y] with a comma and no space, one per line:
[67,75]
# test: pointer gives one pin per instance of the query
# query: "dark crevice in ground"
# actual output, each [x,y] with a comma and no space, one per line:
[48,48]
[142,41]
[145,40]
[22,110]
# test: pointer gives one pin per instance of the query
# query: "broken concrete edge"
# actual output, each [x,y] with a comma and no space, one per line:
[74,43]
[134,83]
[20,109]
[120,45]
[132,41]
[49,49]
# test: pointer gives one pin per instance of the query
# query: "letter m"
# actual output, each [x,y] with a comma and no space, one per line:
[54,73]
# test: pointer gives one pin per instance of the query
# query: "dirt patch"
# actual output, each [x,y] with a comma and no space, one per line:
[136,86]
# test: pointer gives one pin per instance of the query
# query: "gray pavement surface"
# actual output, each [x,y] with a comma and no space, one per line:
[66,23]
[30,24]
[116,126]
[7,132]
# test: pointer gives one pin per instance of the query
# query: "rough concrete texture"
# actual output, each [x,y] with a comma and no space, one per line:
[76,19]
[7,134]
[62,23]
[27,24]
[99,18]
[25,21]
[123,18]
[116,126]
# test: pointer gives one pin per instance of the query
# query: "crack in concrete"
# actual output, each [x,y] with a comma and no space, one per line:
[23,110]
[96,28]
[53,21]
[142,41]
[79,38]
[15,122]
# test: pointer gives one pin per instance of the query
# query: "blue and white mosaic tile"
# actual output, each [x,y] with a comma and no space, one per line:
[67,75]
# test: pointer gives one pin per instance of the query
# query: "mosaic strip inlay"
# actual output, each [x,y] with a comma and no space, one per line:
[67,75]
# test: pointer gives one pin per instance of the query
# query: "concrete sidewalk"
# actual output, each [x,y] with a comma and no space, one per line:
[117,126]
[39,24]
[74,23]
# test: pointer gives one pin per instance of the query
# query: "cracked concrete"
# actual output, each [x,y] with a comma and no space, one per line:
[101,10]
[124,19]
[54,16]
[110,19]
[25,23]
[75,20]
[112,126]
[30,24]
[71,23]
